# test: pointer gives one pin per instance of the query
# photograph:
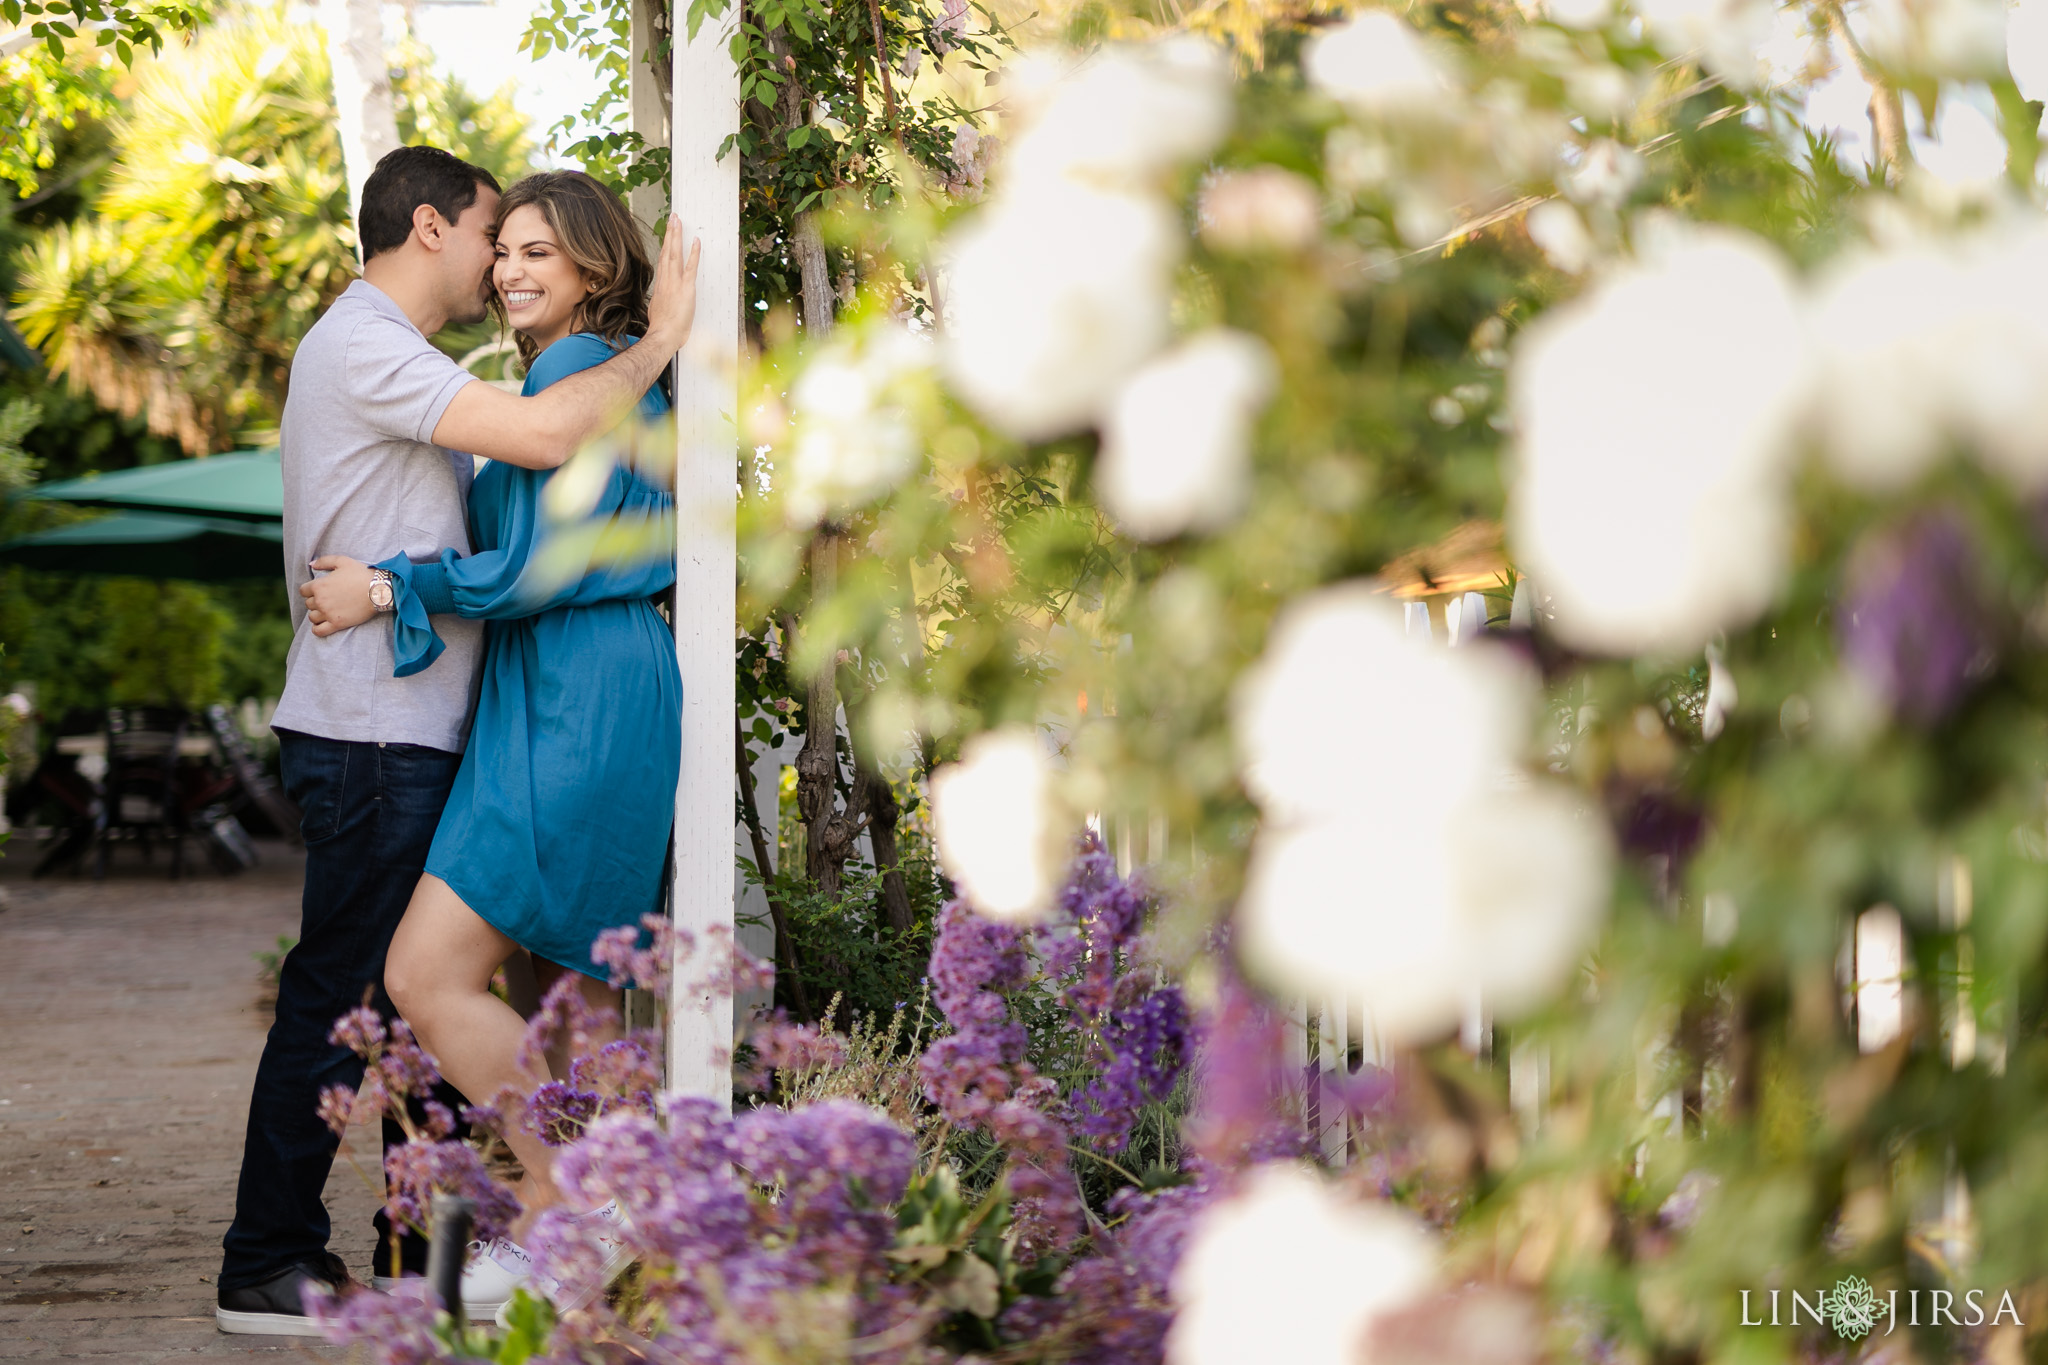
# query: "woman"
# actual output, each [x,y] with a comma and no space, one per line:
[557,827]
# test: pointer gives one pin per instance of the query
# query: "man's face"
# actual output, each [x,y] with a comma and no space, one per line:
[467,258]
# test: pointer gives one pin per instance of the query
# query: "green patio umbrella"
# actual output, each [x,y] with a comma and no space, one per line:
[153,545]
[247,485]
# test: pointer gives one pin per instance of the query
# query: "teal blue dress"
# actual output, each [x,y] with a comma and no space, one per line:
[558,825]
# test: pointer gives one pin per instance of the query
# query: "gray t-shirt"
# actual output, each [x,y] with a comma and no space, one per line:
[362,478]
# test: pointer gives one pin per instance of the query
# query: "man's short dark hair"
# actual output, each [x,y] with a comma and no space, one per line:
[407,178]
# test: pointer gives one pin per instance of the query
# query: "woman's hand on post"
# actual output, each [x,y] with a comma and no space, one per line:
[342,598]
[672,303]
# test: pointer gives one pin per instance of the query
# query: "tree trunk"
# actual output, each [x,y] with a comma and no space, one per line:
[809,248]
[874,795]
[362,92]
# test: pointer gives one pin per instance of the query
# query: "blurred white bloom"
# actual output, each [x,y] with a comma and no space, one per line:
[1966,151]
[1403,861]
[1261,209]
[1884,325]
[854,440]
[1450,723]
[1123,116]
[1378,65]
[1601,89]
[1175,452]
[1655,417]
[1053,299]
[1605,174]
[1561,235]
[1059,290]
[1795,53]
[2026,47]
[1289,1270]
[1578,13]
[1726,35]
[17,703]
[1922,344]
[1948,38]
[992,820]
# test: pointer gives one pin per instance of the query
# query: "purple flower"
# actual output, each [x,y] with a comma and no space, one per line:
[628,963]
[415,1170]
[1238,1118]
[1144,1045]
[782,1046]
[557,1113]
[975,960]
[361,1031]
[563,1012]
[337,1107]
[399,1330]
[1915,620]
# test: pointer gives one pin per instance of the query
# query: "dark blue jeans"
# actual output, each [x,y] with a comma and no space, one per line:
[369,811]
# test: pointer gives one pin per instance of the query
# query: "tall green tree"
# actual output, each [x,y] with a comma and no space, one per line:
[222,228]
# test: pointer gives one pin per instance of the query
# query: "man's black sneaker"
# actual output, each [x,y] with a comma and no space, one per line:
[275,1307]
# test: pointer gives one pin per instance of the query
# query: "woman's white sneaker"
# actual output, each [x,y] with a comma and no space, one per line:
[499,1267]
[610,1233]
[608,1225]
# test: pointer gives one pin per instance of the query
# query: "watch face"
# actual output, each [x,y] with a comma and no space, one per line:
[380,594]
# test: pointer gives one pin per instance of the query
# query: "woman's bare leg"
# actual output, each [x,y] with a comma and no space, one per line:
[438,974]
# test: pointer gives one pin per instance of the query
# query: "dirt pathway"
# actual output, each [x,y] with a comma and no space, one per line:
[130,1024]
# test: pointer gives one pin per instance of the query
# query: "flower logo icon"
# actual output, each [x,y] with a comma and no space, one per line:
[1852,1307]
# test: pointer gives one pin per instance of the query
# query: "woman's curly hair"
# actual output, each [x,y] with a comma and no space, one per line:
[599,235]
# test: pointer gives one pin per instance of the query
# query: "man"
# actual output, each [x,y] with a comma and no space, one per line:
[374,431]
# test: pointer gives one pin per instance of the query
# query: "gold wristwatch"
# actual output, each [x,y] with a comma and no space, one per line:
[380,589]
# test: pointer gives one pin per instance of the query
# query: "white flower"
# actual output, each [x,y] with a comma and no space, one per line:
[1561,234]
[1174,455]
[1378,65]
[1122,116]
[1261,209]
[1578,13]
[2026,47]
[854,440]
[1605,174]
[1054,298]
[992,820]
[1884,324]
[1967,152]
[17,703]
[1403,861]
[1923,344]
[1287,1270]
[1725,35]
[1655,418]
[1946,38]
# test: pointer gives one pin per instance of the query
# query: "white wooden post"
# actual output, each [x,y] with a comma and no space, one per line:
[706,196]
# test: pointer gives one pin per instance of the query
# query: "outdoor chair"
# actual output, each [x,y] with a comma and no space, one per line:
[141,797]
[58,787]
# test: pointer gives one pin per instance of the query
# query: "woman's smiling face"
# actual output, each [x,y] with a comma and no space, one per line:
[540,286]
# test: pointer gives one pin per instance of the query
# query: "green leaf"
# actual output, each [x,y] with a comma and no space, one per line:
[798,136]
